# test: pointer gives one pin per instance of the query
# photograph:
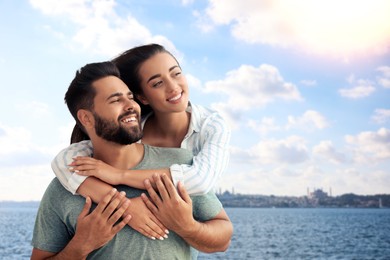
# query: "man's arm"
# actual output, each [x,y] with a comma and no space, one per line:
[93,230]
[142,220]
[175,211]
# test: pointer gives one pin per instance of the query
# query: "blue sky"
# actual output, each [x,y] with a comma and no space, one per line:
[305,85]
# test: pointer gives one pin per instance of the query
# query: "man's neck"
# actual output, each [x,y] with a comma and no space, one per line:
[116,155]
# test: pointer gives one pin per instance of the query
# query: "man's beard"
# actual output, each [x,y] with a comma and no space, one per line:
[111,131]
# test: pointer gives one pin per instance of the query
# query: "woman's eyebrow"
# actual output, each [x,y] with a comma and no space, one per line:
[159,75]
[173,67]
[153,77]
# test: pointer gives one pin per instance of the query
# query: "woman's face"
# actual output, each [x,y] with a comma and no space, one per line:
[163,84]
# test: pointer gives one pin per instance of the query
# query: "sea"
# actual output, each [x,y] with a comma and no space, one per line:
[259,233]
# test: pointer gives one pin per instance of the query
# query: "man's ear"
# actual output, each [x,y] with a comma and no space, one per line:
[142,99]
[86,118]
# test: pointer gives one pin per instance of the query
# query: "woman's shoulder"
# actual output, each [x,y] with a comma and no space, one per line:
[201,116]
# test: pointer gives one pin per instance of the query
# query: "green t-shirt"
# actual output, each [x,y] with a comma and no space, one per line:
[58,211]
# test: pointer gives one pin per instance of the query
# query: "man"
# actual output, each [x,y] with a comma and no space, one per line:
[104,108]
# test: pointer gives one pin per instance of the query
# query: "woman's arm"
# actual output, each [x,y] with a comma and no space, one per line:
[60,165]
[212,142]
[142,219]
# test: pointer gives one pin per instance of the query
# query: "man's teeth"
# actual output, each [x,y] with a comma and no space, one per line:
[175,98]
[129,119]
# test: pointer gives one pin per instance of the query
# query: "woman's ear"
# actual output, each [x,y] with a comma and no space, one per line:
[86,118]
[142,99]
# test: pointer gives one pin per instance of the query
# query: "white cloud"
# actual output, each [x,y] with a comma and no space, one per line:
[264,126]
[17,148]
[381,116]
[193,81]
[308,82]
[24,182]
[384,79]
[35,109]
[355,26]
[291,150]
[251,87]
[99,29]
[309,120]
[326,150]
[187,2]
[361,88]
[370,146]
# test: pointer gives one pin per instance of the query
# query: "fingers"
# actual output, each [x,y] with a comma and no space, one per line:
[104,202]
[169,185]
[113,205]
[118,227]
[119,213]
[154,228]
[149,230]
[183,192]
[161,187]
[86,208]
[149,204]
[83,160]
[81,165]
[152,193]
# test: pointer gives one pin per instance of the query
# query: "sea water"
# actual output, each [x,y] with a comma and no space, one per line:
[315,233]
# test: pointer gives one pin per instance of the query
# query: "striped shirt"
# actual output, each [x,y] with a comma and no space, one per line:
[208,138]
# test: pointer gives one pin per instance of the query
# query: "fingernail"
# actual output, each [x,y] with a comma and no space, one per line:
[161,238]
[70,168]
[153,238]
[165,236]
[76,171]
[166,231]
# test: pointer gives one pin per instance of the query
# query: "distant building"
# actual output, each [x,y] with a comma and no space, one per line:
[318,194]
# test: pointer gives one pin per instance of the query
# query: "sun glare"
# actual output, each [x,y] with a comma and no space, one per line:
[346,27]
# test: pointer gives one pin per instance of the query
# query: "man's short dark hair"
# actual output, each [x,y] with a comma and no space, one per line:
[80,94]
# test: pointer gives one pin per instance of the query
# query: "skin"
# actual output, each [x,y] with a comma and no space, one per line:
[94,230]
[162,81]
[124,157]
[174,209]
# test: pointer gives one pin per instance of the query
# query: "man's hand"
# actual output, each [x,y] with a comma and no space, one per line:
[97,228]
[94,229]
[173,209]
[145,222]
[88,166]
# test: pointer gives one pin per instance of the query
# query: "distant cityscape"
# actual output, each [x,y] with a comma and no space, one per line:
[316,198]
[313,199]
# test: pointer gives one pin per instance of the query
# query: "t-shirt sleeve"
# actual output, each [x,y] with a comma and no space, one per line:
[50,233]
[70,180]
[206,207]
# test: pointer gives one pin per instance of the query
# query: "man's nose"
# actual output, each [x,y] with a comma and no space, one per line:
[130,104]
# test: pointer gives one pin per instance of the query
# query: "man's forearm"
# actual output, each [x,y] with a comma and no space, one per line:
[210,236]
[74,250]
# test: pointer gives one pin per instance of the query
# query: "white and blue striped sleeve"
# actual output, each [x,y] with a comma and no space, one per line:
[71,181]
[211,160]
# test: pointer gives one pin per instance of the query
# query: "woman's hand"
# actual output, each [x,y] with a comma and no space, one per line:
[144,221]
[88,166]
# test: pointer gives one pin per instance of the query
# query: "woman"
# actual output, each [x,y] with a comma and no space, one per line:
[169,120]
